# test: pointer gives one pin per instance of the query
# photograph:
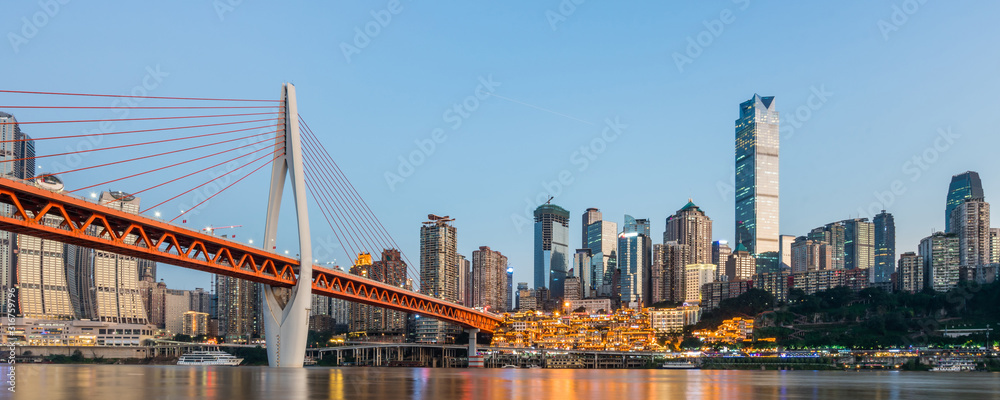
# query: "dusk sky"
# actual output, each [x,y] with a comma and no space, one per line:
[874,96]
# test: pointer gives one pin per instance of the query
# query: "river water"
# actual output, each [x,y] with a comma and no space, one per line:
[122,382]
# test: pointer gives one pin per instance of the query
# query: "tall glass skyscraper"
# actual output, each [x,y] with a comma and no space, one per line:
[757,175]
[635,260]
[885,247]
[963,186]
[552,256]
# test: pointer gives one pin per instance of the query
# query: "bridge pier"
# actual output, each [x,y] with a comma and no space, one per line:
[475,360]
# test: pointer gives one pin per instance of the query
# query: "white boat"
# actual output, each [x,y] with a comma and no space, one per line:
[208,357]
[679,365]
[509,366]
[954,364]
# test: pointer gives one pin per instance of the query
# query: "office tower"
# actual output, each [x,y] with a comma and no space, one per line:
[910,275]
[785,254]
[720,254]
[941,261]
[590,216]
[509,292]
[963,186]
[832,234]
[859,243]
[602,240]
[464,281]
[692,227]
[659,281]
[438,275]
[517,294]
[809,255]
[885,247]
[635,260]
[741,265]
[697,275]
[115,277]
[583,265]
[489,279]
[970,220]
[551,248]
[389,269]
[757,175]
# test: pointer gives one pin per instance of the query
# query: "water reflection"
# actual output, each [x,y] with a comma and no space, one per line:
[115,382]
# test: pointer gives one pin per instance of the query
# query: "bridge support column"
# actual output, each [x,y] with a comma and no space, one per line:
[475,360]
[286,311]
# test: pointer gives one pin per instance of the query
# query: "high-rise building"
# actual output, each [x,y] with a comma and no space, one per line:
[910,275]
[941,261]
[720,254]
[521,286]
[994,245]
[17,161]
[970,220]
[859,243]
[785,254]
[390,269]
[966,185]
[809,255]
[757,186]
[573,288]
[676,257]
[741,265]
[42,287]
[635,260]
[697,275]
[692,227]
[115,279]
[583,264]
[464,281]
[552,256]
[832,234]
[509,292]
[239,309]
[590,216]
[885,247]
[489,279]
[602,240]
[438,275]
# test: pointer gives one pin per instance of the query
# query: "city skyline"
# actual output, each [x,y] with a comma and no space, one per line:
[823,80]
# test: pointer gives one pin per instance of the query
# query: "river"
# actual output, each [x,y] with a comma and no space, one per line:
[124,382]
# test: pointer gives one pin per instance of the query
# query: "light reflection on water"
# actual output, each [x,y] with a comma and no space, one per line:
[117,382]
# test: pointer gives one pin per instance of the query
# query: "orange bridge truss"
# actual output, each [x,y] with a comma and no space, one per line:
[42,213]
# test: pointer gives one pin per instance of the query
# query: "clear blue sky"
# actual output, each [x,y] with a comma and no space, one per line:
[891,88]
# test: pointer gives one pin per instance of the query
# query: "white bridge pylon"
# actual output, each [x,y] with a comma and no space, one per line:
[286,311]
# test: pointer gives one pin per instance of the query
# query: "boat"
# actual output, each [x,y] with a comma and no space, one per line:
[679,365]
[208,357]
[510,366]
[954,364]
[533,367]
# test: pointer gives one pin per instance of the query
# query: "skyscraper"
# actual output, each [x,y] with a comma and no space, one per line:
[438,275]
[692,227]
[464,281]
[885,247]
[590,216]
[741,265]
[970,220]
[785,254]
[602,240]
[17,151]
[963,186]
[583,264]
[552,256]
[757,183]
[910,275]
[239,309]
[833,235]
[489,279]
[720,254]
[635,261]
[859,243]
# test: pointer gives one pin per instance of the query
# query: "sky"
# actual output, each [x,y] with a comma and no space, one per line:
[624,106]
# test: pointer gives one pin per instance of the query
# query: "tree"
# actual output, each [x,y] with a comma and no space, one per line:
[691,343]
[580,309]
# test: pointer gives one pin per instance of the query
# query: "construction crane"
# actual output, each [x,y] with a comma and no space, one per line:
[211,230]
[437,220]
